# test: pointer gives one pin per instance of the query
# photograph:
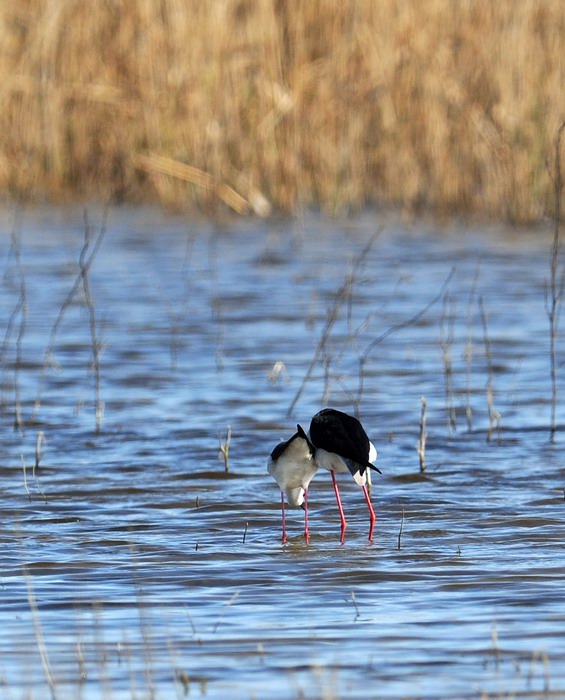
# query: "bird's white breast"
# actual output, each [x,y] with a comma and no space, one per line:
[330,461]
[333,462]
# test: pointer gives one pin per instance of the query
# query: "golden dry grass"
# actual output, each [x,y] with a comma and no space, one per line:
[443,105]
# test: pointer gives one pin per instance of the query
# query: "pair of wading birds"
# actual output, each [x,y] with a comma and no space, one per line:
[337,442]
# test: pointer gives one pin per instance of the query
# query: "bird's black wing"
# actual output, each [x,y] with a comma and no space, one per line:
[341,434]
[281,447]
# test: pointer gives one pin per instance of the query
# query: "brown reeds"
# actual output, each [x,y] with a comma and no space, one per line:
[440,105]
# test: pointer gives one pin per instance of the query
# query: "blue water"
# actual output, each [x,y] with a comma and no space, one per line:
[135,566]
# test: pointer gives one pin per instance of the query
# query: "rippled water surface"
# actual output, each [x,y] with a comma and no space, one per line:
[135,566]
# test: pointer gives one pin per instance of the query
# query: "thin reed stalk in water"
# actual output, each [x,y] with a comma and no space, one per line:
[354,601]
[326,364]
[4,349]
[332,316]
[216,301]
[542,658]
[19,312]
[399,544]
[423,437]
[493,415]
[98,404]
[447,323]
[87,256]
[395,328]
[18,423]
[554,295]
[469,351]
[38,444]
[227,606]
[495,646]
[224,452]
[24,469]
[39,441]
[39,638]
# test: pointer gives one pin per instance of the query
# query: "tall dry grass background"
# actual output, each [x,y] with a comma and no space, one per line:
[251,104]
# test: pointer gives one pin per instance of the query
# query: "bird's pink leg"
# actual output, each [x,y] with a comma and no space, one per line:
[340,507]
[371,511]
[306,531]
[283,519]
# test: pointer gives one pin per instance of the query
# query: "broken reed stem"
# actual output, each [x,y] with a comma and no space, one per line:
[423,437]
[25,478]
[401,325]
[354,601]
[98,404]
[85,265]
[342,294]
[245,532]
[154,163]
[556,282]
[225,448]
[493,415]
[446,341]
[38,443]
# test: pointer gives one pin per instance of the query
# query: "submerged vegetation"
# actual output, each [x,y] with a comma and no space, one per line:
[264,105]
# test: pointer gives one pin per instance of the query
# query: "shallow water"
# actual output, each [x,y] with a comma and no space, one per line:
[134,566]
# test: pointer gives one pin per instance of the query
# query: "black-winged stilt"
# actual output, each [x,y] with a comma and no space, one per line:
[342,445]
[292,466]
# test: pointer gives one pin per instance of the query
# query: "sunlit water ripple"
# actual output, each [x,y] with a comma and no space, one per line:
[134,566]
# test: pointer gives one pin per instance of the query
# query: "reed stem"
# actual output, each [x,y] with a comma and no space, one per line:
[423,437]
[554,296]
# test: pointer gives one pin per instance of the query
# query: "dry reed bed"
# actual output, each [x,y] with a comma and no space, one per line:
[442,105]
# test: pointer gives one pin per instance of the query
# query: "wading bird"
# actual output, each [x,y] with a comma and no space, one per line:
[341,444]
[292,466]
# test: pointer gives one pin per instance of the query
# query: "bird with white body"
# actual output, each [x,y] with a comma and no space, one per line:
[292,466]
[342,445]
